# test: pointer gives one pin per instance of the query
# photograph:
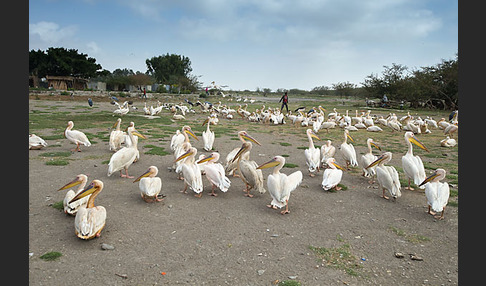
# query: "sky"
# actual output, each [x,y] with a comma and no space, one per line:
[250,44]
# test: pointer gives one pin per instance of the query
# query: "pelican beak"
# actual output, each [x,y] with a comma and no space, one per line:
[415,141]
[185,155]
[313,135]
[189,131]
[247,136]
[322,108]
[146,174]
[376,162]
[205,121]
[429,178]
[269,164]
[338,166]
[374,145]
[114,125]
[206,159]
[241,151]
[86,192]
[350,138]
[135,132]
[71,184]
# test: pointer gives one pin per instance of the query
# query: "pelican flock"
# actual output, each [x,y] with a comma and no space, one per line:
[90,219]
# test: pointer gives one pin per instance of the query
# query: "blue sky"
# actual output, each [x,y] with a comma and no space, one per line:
[247,44]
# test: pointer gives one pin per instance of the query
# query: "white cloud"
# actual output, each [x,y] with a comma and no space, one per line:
[51,33]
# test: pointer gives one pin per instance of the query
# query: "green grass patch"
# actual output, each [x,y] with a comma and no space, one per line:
[413,238]
[289,283]
[58,205]
[155,150]
[290,165]
[56,154]
[285,144]
[50,256]
[57,162]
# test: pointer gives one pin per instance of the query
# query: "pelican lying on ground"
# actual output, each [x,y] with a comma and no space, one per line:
[150,185]
[312,154]
[387,176]
[215,173]
[72,208]
[327,151]
[230,164]
[116,136]
[247,170]
[349,153]
[75,136]
[437,193]
[280,185]
[412,165]
[368,158]
[36,143]
[123,158]
[448,142]
[208,136]
[89,220]
[191,172]
[332,175]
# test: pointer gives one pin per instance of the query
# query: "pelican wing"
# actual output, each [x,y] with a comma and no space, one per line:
[349,154]
[192,177]
[208,140]
[121,159]
[89,221]
[251,175]
[150,186]
[216,175]
[76,136]
[331,178]
[366,160]
[176,141]
[276,189]
[72,208]
[312,158]
[414,168]
[387,177]
[116,139]
[437,194]
[327,152]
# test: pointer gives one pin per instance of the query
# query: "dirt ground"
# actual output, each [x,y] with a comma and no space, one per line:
[231,239]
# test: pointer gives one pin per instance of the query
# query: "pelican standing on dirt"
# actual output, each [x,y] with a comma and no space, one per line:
[123,158]
[150,185]
[436,192]
[208,136]
[75,136]
[72,208]
[312,154]
[387,176]
[36,143]
[412,165]
[280,185]
[332,176]
[368,158]
[230,164]
[89,220]
[348,151]
[247,170]
[191,172]
[116,136]
[215,173]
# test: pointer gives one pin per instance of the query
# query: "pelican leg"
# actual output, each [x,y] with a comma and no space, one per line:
[272,206]
[441,217]
[409,188]
[286,211]
[212,191]
[77,148]
[247,190]
[198,195]
[126,174]
[383,196]
[429,211]
[184,191]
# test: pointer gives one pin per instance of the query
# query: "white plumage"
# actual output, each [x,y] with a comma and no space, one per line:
[348,151]
[312,154]
[191,172]
[368,158]
[89,220]
[327,151]
[280,185]
[412,165]
[72,208]
[437,193]
[215,173]
[387,176]
[150,185]
[75,136]
[36,143]
[123,158]
[332,176]
[208,137]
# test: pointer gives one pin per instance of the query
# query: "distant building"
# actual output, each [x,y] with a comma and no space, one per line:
[66,82]
[97,85]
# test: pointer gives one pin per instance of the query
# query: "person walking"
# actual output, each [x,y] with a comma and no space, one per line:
[144,95]
[284,99]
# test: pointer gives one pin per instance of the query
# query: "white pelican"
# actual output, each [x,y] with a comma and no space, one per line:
[368,158]
[89,220]
[208,136]
[230,164]
[116,136]
[312,154]
[349,154]
[412,165]
[36,143]
[332,175]
[182,147]
[180,137]
[387,176]
[448,142]
[191,172]
[72,208]
[215,173]
[177,116]
[437,193]
[75,136]
[123,158]
[451,129]
[247,170]
[280,185]
[150,185]
[374,128]
[327,151]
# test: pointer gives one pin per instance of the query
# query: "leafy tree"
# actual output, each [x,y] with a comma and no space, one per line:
[168,69]
[344,88]
[62,62]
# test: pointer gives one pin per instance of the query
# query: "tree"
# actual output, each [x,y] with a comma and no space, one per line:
[168,69]
[62,62]
[343,88]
